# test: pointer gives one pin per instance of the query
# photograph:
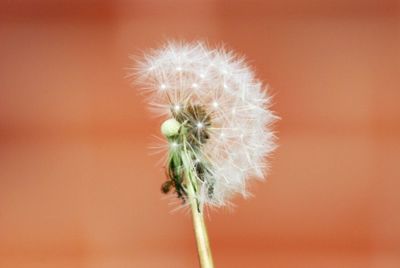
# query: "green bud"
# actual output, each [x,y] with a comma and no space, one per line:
[170,127]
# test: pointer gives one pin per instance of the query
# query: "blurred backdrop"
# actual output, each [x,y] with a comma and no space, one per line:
[78,187]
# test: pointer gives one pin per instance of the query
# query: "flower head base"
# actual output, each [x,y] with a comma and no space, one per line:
[220,132]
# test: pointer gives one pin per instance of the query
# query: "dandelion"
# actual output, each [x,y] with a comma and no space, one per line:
[218,125]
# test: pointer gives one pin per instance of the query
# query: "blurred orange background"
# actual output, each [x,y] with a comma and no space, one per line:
[79,189]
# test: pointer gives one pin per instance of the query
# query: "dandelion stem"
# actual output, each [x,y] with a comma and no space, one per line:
[200,230]
[203,246]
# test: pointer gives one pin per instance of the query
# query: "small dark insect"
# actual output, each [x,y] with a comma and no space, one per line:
[166,186]
[210,190]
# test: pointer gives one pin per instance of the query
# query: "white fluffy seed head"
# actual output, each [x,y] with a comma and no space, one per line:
[221,83]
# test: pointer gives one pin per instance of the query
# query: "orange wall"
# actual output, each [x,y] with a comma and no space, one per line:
[79,189]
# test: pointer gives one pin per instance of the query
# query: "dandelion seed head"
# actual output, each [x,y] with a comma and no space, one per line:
[229,113]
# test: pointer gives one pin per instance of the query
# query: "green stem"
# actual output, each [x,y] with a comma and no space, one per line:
[203,246]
